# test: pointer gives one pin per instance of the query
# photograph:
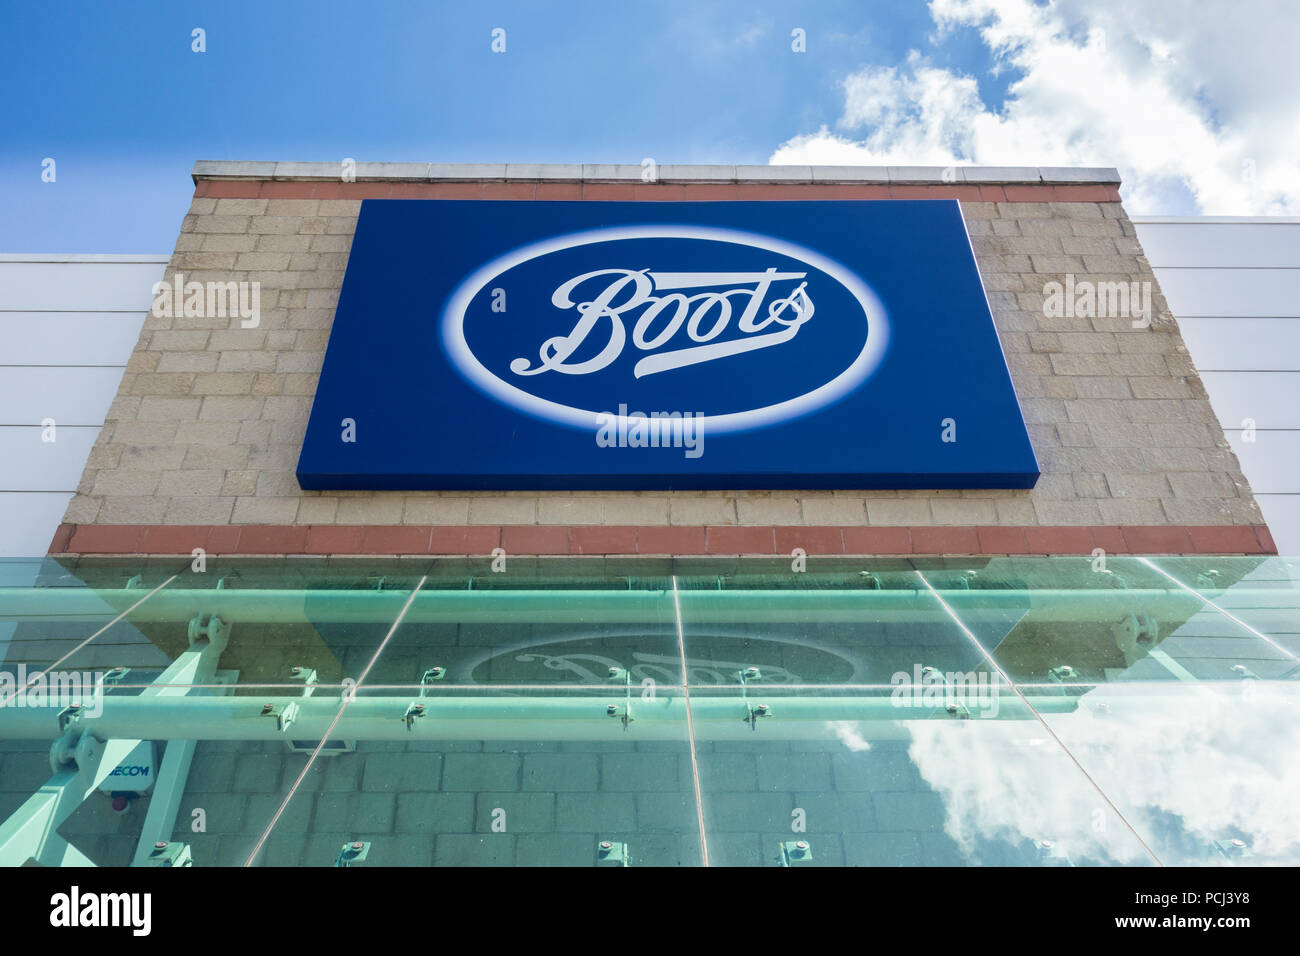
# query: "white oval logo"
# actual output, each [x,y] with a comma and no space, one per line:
[742,329]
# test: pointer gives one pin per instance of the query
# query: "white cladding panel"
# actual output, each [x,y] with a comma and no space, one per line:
[1235,289]
[67,328]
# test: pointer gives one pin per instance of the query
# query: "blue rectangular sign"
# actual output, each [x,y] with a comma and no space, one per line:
[486,344]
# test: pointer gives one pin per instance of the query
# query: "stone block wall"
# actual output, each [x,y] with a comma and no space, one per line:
[200,444]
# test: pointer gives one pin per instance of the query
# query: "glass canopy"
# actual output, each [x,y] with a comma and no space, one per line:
[648,712]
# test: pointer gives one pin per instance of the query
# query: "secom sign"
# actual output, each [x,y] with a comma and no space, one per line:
[482,344]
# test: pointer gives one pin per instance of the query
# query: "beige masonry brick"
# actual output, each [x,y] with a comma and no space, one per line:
[272,225]
[241,207]
[292,207]
[121,484]
[633,510]
[191,482]
[1101,386]
[1076,210]
[1003,282]
[154,408]
[1160,387]
[1138,364]
[1240,510]
[330,243]
[1102,227]
[491,510]
[1202,485]
[168,341]
[1024,210]
[1046,227]
[1015,511]
[907,511]
[1180,459]
[203,260]
[837,510]
[262,261]
[221,457]
[140,433]
[246,362]
[223,383]
[1055,511]
[228,224]
[1107,263]
[83,509]
[199,510]
[1039,411]
[1098,411]
[231,408]
[322,510]
[132,510]
[562,508]
[126,407]
[435,511]
[702,511]
[1138,485]
[1163,410]
[1087,342]
[300,360]
[156,383]
[1203,511]
[264,484]
[209,433]
[104,454]
[300,384]
[268,383]
[291,244]
[264,511]
[1051,484]
[1065,363]
[202,206]
[150,458]
[964,511]
[1131,511]
[350,208]
[768,511]
[281,408]
[221,242]
[276,455]
[1089,245]
[142,362]
[237,340]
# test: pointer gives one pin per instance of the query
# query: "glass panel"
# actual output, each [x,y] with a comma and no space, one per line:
[928,760]
[483,731]
[53,616]
[840,624]
[1256,597]
[1205,772]
[526,714]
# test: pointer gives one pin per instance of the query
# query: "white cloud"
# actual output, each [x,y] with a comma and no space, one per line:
[1196,108]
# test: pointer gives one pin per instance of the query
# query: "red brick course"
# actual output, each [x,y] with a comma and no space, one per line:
[673,540]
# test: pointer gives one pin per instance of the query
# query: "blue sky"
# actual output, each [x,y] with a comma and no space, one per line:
[114,94]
